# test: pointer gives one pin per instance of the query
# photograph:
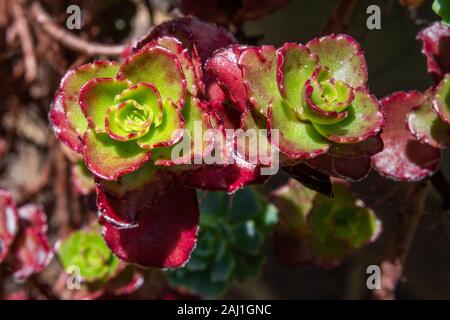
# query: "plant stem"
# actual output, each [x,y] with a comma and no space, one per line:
[398,247]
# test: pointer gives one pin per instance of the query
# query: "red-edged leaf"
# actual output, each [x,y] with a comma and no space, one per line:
[165,231]
[8,222]
[70,89]
[436,48]
[227,178]
[31,251]
[111,159]
[121,209]
[425,124]
[343,56]
[158,66]
[60,125]
[224,67]
[404,157]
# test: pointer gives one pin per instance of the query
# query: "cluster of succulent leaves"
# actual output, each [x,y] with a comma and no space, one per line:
[124,119]
[24,246]
[232,232]
[418,123]
[442,8]
[314,228]
[86,250]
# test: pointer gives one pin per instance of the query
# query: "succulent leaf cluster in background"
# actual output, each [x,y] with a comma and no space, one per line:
[230,242]
[314,228]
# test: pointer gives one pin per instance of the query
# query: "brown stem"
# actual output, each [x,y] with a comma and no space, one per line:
[398,247]
[67,39]
[25,39]
[340,16]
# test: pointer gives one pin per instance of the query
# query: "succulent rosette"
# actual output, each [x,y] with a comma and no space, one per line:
[86,258]
[314,94]
[24,245]
[230,242]
[314,228]
[442,8]
[417,123]
[87,251]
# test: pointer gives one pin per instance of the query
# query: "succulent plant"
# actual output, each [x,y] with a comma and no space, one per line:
[24,245]
[417,124]
[229,244]
[442,8]
[86,250]
[314,228]
[314,94]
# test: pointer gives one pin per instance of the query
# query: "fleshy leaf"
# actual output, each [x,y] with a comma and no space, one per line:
[259,69]
[182,53]
[364,120]
[96,96]
[60,124]
[111,159]
[9,223]
[224,67]
[436,48]
[157,66]
[87,250]
[343,56]
[31,251]
[165,233]
[339,226]
[296,65]
[403,157]
[297,139]
[164,134]
[72,83]
[426,126]
[441,103]
[294,202]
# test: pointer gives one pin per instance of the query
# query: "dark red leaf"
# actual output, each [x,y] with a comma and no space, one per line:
[164,233]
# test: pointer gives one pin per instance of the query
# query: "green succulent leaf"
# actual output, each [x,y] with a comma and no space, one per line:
[364,120]
[259,69]
[86,250]
[297,139]
[177,48]
[159,67]
[343,56]
[168,132]
[296,64]
[110,159]
[96,96]
[72,83]
[425,124]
